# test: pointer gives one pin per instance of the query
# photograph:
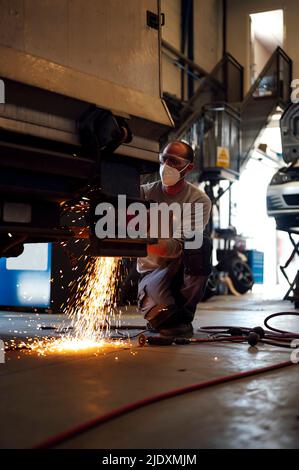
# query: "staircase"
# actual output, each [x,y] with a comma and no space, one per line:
[223,84]
[217,116]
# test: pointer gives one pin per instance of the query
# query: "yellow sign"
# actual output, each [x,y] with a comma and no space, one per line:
[223,157]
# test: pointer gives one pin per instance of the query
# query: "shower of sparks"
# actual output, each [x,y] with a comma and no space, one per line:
[91,308]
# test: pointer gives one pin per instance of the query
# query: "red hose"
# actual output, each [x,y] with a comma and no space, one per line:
[81,428]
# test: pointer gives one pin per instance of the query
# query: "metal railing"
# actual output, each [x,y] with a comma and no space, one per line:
[216,130]
[223,83]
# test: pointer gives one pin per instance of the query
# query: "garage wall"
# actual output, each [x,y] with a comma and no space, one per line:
[238,30]
[261,56]
[207,38]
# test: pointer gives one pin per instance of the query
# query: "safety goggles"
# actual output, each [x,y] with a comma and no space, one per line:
[173,160]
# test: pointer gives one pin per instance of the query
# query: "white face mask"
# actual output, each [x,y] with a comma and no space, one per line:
[169,175]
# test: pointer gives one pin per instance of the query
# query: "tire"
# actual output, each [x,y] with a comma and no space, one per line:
[240,274]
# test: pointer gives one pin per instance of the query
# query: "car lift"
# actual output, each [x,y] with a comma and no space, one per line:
[290,146]
[293,292]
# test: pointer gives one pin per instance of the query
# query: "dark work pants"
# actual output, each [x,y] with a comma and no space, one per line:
[170,295]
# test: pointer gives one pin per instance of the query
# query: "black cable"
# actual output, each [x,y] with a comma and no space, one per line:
[283,332]
[272,336]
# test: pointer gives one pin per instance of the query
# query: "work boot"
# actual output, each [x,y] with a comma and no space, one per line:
[162,315]
[181,330]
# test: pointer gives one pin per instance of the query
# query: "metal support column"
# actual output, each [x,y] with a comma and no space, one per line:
[187,42]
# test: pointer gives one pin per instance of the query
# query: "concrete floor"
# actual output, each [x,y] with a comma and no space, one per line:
[43,396]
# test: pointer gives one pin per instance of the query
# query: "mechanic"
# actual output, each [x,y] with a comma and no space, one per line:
[173,278]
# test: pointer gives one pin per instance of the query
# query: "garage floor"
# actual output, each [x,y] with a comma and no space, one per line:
[43,396]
